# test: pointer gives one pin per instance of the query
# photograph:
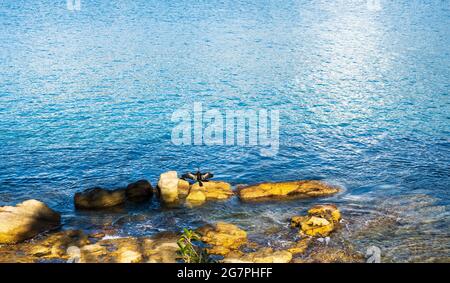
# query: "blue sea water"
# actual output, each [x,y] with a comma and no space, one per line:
[86,99]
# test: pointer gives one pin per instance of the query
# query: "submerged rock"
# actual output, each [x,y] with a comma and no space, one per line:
[308,188]
[26,220]
[264,255]
[56,244]
[45,247]
[139,191]
[158,249]
[223,237]
[332,255]
[76,246]
[97,198]
[300,246]
[320,221]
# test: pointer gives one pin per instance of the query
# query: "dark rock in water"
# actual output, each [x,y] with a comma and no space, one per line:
[97,198]
[139,191]
[26,220]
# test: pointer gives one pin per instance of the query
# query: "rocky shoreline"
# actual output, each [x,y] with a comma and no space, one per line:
[32,232]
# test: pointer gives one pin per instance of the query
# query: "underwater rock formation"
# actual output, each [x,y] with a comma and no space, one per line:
[76,246]
[307,188]
[263,255]
[26,220]
[161,248]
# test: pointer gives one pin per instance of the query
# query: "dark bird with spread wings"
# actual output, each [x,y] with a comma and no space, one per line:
[198,176]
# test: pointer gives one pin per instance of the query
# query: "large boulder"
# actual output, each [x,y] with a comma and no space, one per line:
[168,186]
[139,191]
[223,237]
[97,198]
[307,188]
[26,220]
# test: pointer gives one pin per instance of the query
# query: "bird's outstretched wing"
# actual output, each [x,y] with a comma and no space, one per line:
[189,175]
[207,175]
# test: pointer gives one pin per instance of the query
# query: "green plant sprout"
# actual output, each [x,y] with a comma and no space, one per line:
[188,251]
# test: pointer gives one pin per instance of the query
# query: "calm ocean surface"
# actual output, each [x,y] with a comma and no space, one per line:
[86,99]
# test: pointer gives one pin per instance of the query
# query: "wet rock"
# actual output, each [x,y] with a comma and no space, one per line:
[264,255]
[196,197]
[308,188]
[26,220]
[327,211]
[183,188]
[214,189]
[139,191]
[223,237]
[97,198]
[320,221]
[168,186]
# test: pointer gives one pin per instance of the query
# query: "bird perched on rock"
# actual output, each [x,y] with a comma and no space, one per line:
[198,176]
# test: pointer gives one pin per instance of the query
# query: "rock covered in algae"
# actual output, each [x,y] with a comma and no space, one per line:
[306,188]
[26,220]
[320,221]
[223,237]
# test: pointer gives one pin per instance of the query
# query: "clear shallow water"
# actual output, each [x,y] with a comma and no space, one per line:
[86,99]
